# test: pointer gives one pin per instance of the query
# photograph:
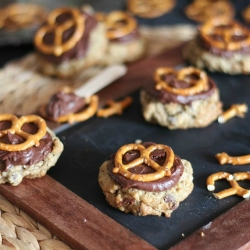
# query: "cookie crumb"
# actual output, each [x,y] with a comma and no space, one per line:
[202,234]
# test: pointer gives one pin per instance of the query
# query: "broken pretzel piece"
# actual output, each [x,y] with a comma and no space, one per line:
[224,158]
[235,189]
[235,110]
[115,107]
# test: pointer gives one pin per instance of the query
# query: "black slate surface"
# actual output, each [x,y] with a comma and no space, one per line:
[89,144]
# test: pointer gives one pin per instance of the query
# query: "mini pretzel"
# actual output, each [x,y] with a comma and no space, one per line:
[115,107]
[235,110]
[235,188]
[204,10]
[224,158]
[16,128]
[161,171]
[150,8]
[21,15]
[220,33]
[82,115]
[196,85]
[119,24]
[77,22]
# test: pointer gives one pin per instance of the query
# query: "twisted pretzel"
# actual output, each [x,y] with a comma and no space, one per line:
[119,24]
[21,15]
[77,22]
[232,179]
[16,128]
[220,33]
[161,171]
[204,10]
[150,8]
[197,85]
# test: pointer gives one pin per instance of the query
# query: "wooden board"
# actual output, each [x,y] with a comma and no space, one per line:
[82,226]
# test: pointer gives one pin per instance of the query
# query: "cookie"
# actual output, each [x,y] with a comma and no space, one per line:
[181,99]
[125,43]
[202,11]
[140,196]
[70,41]
[220,46]
[30,158]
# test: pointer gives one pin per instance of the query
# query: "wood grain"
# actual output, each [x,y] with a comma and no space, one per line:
[231,230]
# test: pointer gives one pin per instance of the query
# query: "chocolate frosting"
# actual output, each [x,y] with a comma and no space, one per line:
[167,97]
[127,38]
[63,103]
[81,47]
[159,185]
[28,156]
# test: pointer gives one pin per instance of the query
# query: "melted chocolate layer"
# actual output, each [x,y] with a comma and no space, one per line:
[160,185]
[63,103]
[167,97]
[80,49]
[29,156]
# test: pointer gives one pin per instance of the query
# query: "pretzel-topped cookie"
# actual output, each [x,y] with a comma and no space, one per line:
[195,78]
[16,128]
[74,20]
[119,24]
[225,34]
[161,170]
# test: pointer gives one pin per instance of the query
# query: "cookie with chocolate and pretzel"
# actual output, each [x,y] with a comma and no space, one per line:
[221,45]
[28,148]
[71,40]
[125,42]
[181,99]
[146,179]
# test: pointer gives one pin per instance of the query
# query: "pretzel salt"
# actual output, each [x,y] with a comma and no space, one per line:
[235,189]
[77,21]
[196,85]
[115,107]
[225,29]
[16,128]
[224,158]
[161,171]
[119,24]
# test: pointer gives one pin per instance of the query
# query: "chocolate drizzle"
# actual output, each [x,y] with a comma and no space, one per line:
[28,156]
[160,185]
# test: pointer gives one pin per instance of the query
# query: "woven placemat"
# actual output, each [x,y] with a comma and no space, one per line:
[24,89]
[18,231]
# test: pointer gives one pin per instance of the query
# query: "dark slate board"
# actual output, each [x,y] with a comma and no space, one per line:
[89,144]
